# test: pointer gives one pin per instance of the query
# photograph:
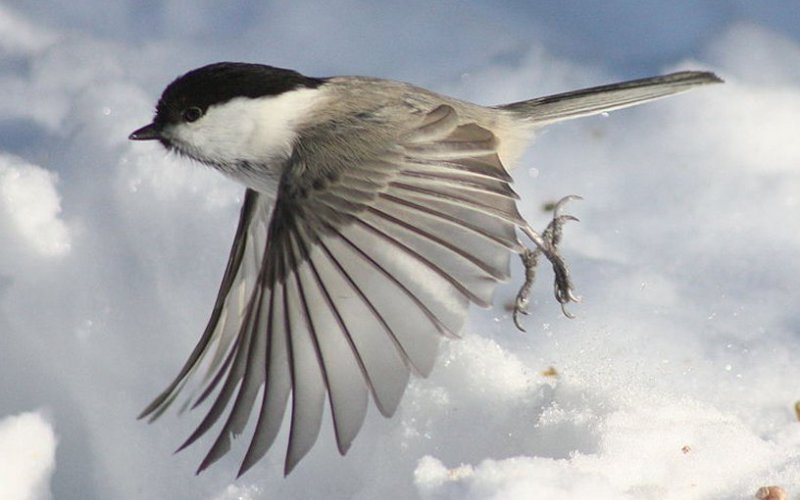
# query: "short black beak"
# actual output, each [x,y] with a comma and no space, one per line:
[147,133]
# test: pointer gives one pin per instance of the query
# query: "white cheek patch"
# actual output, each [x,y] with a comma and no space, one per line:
[257,131]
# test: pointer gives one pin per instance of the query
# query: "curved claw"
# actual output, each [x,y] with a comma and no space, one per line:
[565,218]
[515,316]
[563,201]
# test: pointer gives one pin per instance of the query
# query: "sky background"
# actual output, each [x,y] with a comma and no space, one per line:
[677,379]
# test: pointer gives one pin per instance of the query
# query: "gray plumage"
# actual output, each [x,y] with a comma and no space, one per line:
[363,238]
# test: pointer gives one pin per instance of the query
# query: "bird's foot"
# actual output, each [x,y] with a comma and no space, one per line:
[547,244]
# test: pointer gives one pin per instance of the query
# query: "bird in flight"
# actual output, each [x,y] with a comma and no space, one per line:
[375,213]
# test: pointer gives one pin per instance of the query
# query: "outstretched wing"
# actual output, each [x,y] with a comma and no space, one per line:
[345,284]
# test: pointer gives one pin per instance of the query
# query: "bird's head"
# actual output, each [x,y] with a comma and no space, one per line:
[226,114]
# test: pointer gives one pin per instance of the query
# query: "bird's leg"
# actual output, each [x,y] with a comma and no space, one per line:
[530,259]
[547,244]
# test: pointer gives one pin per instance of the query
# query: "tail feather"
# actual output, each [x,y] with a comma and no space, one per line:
[608,97]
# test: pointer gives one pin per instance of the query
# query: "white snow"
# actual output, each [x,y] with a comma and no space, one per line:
[29,202]
[27,456]
[677,379]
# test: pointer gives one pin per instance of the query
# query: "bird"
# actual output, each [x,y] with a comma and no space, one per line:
[375,212]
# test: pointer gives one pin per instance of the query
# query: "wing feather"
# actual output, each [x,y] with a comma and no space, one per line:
[308,378]
[246,215]
[490,204]
[496,233]
[342,366]
[384,358]
[277,385]
[347,281]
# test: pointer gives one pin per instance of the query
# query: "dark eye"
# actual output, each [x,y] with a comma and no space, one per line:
[192,114]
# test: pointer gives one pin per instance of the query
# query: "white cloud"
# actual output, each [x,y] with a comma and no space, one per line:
[27,457]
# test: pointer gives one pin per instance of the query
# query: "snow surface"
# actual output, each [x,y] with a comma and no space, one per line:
[27,456]
[677,379]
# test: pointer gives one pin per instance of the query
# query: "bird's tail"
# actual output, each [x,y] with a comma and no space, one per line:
[607,97]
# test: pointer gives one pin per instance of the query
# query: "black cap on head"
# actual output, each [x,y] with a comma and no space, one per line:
[220,82]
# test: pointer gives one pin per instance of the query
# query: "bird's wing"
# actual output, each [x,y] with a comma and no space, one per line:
[348,281]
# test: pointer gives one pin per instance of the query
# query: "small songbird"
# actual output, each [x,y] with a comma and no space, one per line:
[375,213]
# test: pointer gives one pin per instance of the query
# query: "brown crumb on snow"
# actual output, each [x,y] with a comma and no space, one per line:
[550,372]
[686,449]
[771,493]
